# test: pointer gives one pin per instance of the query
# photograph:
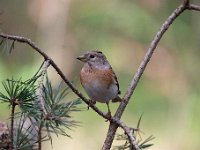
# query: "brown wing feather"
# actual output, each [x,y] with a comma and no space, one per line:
[115,78]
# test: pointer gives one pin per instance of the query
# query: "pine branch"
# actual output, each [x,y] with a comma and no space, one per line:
[131,144]
[17,93]
[129,134]
[12,124]
[55,119]
[53,64]
[25,136]
[114,121]
[58,112]
[41,102]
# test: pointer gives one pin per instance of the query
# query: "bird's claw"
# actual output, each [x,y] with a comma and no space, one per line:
[91,102]
[109,116]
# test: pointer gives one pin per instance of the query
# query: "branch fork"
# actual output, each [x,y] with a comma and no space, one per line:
[115,121]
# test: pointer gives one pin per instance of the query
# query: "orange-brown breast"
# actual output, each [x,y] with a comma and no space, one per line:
[105,77]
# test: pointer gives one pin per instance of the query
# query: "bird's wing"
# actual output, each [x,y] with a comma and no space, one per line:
[115,79]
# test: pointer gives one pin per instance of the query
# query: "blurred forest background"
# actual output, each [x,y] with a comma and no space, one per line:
[169,91]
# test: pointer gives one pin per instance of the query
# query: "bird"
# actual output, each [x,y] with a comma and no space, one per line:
[98,79]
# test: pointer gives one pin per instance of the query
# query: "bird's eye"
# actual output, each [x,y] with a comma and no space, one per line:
[99,52]
[92,56]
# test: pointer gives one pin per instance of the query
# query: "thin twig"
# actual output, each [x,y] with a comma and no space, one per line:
[40,134]
[113,127]
[128,132]
[193,7]
[12,124]
[41,101]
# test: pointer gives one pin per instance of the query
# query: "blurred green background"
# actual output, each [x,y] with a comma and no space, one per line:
[169,91]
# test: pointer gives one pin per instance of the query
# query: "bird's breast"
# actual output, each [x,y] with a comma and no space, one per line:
[99,84]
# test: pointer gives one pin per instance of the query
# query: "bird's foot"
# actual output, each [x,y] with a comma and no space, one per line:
[91,102]
[117,99]
[109,116]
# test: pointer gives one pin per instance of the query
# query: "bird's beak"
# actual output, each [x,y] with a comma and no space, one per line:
[82,58]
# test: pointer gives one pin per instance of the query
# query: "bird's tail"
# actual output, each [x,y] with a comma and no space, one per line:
[117,99]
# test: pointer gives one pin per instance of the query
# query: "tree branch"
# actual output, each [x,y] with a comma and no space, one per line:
[12,124]
[115,121]
[80,95]
[113,127]
[53,64]
[40,98]
[128,132]
[193,7]
[41,101]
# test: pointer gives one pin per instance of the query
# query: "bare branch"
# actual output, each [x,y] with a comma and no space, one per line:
[113,127]
[128,132]
[151,49]
[193,7]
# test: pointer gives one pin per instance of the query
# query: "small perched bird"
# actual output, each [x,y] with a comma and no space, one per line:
[98,78]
